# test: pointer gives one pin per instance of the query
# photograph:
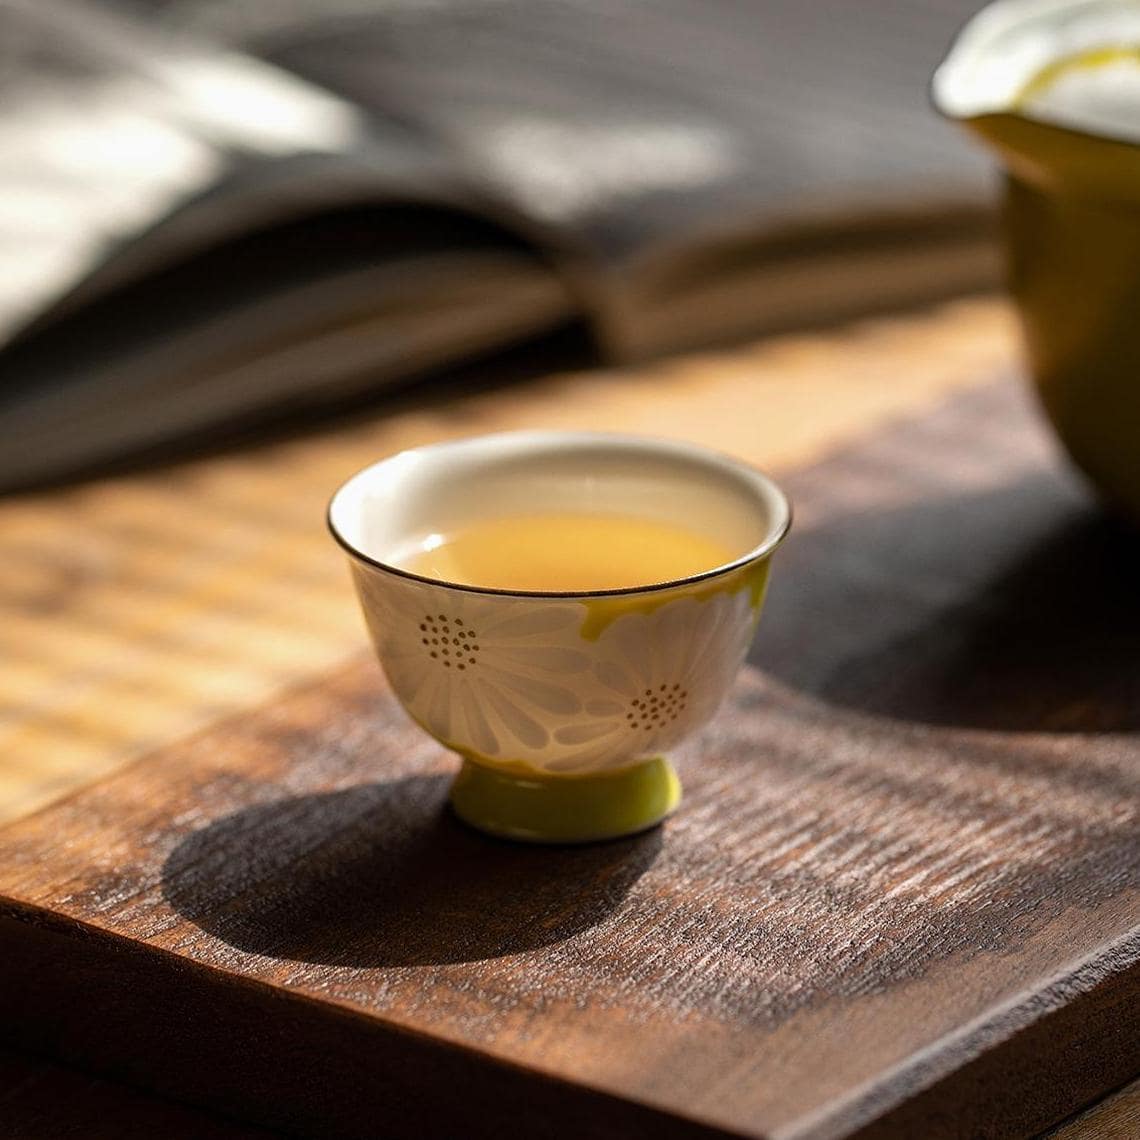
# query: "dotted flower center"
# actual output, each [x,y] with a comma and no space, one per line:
[448,642]
[657,707]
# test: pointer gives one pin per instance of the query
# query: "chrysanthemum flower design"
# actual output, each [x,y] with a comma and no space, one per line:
[481,671]
[658,675]
[517,683]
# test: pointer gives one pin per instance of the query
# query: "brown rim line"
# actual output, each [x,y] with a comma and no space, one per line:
[763,550]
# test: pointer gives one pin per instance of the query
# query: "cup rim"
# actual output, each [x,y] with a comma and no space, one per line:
[762,482]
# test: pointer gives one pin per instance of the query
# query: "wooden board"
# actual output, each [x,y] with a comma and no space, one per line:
[902,898]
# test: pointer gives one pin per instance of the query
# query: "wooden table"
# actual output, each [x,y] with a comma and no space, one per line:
[139,608]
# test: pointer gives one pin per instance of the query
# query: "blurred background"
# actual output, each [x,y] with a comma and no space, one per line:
[217,215]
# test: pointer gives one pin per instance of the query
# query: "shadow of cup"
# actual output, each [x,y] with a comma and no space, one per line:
[383,875]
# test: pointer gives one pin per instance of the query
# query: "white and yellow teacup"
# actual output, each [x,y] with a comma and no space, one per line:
[564,706]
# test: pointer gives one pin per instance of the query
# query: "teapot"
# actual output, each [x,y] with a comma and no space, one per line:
[1053,88]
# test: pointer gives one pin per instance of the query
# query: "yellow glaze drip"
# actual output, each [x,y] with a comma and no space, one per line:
[1066,65]
[601,613]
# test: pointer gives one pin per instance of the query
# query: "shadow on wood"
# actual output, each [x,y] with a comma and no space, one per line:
[384,875]
[1014,609]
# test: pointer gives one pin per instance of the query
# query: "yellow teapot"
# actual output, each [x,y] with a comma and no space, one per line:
[1053,86]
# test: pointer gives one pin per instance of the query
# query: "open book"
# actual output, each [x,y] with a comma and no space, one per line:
[209,212]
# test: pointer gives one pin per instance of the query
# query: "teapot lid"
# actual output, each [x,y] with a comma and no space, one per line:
[1073,64]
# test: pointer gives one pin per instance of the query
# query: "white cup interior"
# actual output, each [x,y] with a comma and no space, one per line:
[388,511]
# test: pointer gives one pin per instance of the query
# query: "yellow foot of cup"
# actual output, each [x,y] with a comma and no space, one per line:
[566,809]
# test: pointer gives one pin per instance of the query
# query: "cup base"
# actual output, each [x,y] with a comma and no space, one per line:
[566,809]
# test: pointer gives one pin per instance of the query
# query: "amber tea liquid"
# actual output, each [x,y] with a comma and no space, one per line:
[566,552]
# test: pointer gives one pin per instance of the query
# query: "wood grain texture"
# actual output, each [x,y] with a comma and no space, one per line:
[893,909]
[134,610]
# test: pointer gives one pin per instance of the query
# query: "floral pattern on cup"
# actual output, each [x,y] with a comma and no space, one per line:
[514,682]
[659,675]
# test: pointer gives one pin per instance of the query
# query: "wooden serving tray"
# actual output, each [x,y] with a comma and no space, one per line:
[902,898]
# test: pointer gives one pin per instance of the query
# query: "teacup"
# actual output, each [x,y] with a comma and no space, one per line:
[563,705]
